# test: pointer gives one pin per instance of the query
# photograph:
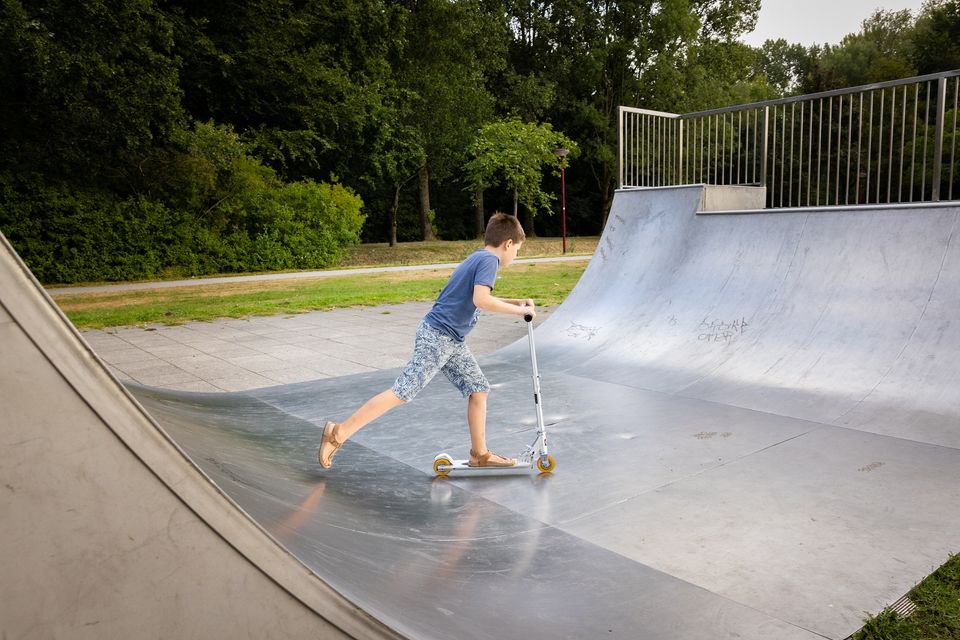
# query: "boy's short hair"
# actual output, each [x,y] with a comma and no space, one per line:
[502,227]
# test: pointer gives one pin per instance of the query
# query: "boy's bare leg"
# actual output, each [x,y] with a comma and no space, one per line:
[477,419]
[370,411]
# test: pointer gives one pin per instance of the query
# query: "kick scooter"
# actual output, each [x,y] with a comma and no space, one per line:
[534,456]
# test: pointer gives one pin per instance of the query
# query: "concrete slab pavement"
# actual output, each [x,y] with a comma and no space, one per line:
[262,351]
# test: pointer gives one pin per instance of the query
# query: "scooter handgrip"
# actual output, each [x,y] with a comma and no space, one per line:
[528,317]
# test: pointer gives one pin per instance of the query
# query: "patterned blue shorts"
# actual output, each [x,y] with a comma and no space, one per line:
[435,351]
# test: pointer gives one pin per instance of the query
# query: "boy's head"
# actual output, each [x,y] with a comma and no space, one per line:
[502,227]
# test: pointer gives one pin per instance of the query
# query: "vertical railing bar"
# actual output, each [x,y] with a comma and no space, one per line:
[674,152]
[701,180]
[926,136]
[649,159]
[655,152]
[953,138]
[879,147]
[849,148]
[856,195]
[808,171]
[783,146]
[903,141]
[765,150]
[681,173]
[819,150]
[793,122]
[770,151]
[730,175]
[938,138]
[620,112]
[642,151]
[658,136]
[836,199]
[740,146]
[651,151]
[866,191]
[723,145]
[717,157]
[783,151]
[826,194]
[893,126]
[664,153]
[809,152]
[803,110]
[638,152]
[913,150]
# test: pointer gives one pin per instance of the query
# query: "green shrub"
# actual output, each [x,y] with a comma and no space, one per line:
[67,235]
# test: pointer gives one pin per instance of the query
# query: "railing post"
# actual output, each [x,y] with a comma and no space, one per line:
[619,147]
[765,128]
[939,124]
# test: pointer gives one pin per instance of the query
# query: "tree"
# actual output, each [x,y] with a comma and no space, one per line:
[451,47]
[876,53]
[304,83]
[935,38]
[592,57]
[784,66]
[516,153]
[87,86]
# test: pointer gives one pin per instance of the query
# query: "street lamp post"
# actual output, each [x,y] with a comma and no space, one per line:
[562,154]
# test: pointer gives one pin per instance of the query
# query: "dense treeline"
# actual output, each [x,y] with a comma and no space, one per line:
[149,137]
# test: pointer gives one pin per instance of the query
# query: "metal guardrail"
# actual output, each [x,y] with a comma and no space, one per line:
[876,144]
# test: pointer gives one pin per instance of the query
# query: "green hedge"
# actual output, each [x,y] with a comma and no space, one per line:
[68,235]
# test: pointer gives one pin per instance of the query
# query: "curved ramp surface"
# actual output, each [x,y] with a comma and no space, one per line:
[108,530]
[754,420]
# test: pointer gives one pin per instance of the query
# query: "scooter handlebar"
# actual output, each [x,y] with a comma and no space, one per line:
[528,317]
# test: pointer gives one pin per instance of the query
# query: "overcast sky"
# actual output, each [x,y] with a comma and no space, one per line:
[817,21]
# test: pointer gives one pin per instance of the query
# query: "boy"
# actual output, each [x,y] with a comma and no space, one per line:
[440,345]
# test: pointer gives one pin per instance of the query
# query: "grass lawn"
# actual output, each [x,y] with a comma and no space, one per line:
[547,283]
[937,616]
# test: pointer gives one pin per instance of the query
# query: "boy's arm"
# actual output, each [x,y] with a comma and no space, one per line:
[484,299]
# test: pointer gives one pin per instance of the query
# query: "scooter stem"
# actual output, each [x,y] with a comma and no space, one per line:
[536,373]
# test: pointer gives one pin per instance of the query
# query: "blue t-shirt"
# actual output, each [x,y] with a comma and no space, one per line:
[454,312]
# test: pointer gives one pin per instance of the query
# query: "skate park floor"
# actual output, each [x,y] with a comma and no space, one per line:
[754,418]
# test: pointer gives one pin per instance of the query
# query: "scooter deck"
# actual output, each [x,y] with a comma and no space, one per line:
[464,465]
[444,465]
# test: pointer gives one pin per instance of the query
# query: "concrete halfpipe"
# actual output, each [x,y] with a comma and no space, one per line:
[755,419]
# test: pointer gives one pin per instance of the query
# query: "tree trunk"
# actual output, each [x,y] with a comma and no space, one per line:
[528,229]
[425,203]
[514,203]
[393,215]
[478,200]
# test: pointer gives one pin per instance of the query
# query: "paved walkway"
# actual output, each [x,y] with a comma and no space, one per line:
[290,275]
[236,355]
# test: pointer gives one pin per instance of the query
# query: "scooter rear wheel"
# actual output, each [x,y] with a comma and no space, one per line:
[550,465]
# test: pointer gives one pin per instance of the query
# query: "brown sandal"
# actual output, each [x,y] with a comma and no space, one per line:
[331,439]
[489,459]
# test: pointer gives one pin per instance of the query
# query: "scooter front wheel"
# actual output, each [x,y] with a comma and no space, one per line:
[442,461]
[547,467]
